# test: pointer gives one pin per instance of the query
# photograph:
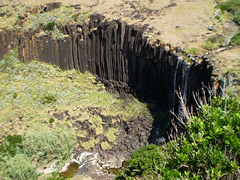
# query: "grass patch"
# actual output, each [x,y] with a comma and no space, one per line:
[209,45]
[33,92]
[232,6]
[47,146]
[193,51]
[20,167]
[90,144]
[214,42]
[111,134]
[18,18]
[236,39]
[105,146]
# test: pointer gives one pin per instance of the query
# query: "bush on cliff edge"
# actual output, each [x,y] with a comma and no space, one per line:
[210,150]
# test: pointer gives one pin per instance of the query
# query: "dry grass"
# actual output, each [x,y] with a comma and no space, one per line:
[181,22]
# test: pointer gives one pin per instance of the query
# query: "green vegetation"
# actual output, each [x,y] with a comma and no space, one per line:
[55,176]
[232,6]
[236,39]
[105,145]
[209,45]
[18,17]
[51,120]
[52,20]
[48,99]
[209,150]
[10,146]
[21,155]
[47,145]
[50,26]
[111,134]
[19,167]
[214,42]
[193,51]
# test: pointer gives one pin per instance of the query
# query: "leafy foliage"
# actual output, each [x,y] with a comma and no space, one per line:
[232,6]
[47,99]
[50,26]
[20,167]
[236,39]
[51,120]
[11,145]
[210,150]
[20,155]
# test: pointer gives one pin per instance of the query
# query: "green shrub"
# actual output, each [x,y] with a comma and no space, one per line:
[19,155]
[11,145]
[236,39]
[48,99]
[20,167]
[46,146]
[218,17]
[15,95]
[232,6]
[55,176]
[193,51]
[50,26]
[51,120]
[210,150]
[7,63]
[209,46]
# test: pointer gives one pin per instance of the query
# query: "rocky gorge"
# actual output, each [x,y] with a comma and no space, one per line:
[125,61]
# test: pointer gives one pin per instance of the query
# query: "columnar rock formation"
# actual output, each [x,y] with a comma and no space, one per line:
[119,53]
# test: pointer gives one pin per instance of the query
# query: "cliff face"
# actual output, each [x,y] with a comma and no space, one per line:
[119,53]
[8,40]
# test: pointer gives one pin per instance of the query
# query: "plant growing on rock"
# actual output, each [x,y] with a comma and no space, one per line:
[232,6]
[21,155]
[193,51]
[236,39]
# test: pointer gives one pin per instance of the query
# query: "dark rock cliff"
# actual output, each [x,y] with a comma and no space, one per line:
[120,54]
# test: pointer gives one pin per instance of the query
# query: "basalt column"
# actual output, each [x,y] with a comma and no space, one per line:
[8,41]
[119,53]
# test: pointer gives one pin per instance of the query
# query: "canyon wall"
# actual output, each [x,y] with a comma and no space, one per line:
[120,54]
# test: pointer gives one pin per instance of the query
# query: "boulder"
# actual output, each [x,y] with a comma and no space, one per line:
[69,169]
